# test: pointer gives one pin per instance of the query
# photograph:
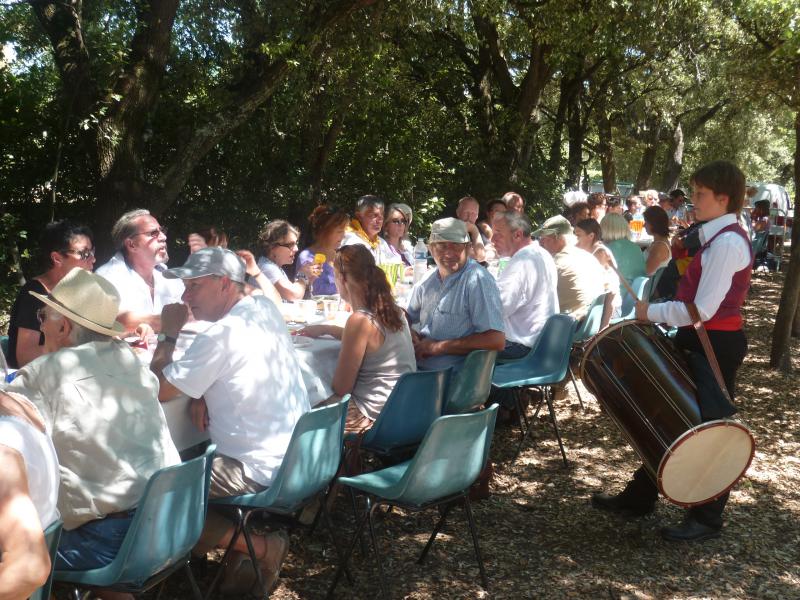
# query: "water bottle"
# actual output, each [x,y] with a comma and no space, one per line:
[420,260]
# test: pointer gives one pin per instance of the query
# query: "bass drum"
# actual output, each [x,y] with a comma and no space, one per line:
[645,386]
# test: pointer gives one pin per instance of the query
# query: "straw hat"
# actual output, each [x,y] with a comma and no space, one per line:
[87,299]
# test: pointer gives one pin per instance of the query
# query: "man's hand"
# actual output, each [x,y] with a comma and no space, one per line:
[173,318]
[199,413]
[425,347]
[144,331]
[312,271]
[641,311]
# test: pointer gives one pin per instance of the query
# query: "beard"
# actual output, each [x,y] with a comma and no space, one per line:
[162,257]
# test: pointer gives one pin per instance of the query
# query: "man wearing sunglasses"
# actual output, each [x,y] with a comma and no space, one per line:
[136,271]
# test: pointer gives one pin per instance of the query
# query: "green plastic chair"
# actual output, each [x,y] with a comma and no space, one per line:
[597,316]
[307,470]
[416,401]
[51,536]
[448,461]
[547,364]
[469,388]
[166,526]
[4,346]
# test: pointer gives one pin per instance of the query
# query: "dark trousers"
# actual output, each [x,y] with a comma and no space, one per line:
[730,348]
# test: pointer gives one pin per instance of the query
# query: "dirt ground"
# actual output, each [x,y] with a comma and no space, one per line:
[541,538]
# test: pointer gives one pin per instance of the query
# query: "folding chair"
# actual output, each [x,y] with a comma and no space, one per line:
[167,524]
[546,365]
[448,461]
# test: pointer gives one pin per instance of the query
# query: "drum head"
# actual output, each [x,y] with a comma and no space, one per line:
[705,462]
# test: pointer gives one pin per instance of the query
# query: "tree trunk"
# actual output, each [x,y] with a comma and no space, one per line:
[649,155]
[575,133]
[554,161]
[781,354]
[674,166]
[605,148]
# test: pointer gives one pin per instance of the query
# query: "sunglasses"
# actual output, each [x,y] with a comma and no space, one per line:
[398,221]
[81,254]
[153,233]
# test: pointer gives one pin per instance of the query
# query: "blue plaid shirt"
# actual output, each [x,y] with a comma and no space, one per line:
[464,303]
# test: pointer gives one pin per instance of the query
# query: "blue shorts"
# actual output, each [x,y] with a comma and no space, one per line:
[92,545]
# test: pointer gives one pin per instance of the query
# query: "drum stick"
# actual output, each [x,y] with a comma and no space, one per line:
[624,283]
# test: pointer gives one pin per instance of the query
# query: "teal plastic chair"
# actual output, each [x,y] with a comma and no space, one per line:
[416,401]
[448,461]
[641,287]
[597,316]
[4,346]
[469,388]
[307,470]
[167,524]
[51,536]
[546,365]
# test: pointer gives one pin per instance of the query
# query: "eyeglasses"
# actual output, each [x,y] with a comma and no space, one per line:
[288,245]
[398,221]
[81,254]
[153,233]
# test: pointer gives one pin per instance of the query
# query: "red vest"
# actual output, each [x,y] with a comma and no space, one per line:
[728,316]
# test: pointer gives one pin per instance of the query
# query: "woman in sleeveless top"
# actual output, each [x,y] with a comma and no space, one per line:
[658,255]
[376,340]
[590,238]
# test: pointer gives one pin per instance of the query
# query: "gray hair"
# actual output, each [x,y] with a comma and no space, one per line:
[614,227]
[80,335]
[125,227]
[516,222]
[368,201]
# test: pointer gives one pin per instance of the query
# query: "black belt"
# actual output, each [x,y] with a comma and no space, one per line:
[121,515]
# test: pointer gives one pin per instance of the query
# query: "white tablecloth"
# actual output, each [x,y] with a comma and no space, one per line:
[317,362]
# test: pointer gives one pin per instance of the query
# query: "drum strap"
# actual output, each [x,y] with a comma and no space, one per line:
[697,323]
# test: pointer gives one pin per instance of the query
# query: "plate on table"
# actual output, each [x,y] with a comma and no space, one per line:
[301,341]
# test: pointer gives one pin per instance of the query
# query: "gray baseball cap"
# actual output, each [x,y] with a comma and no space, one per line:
[557,225]
[210,261]
[449,230]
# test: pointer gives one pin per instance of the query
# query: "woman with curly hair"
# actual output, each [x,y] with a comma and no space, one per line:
[376,340]
[278,246]
[328,226]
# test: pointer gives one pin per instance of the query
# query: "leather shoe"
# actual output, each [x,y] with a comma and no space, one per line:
[690,530]
[619,505]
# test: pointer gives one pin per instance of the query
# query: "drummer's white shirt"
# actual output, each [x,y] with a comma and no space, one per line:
[246,368]
[728,254]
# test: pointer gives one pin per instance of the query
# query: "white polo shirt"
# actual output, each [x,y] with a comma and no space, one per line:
[246,368]
[134,291]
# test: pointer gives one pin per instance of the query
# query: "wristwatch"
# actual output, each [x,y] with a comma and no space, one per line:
[163,337]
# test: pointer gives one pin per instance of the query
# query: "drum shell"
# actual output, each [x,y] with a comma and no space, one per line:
[644,385]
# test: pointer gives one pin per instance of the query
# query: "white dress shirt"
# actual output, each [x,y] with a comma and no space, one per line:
[728,254]
[133,290]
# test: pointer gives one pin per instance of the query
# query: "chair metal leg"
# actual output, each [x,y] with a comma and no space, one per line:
[348,552]
[355,520]
[436,529]
[237,531]
[553,420]
[326,517]
[195,589]
[575,385]
[253,559]
[473,531]
[371,522]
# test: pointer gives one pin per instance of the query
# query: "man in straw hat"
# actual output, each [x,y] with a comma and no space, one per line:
[456,309]
[100,405]
[580,276]
[245,376]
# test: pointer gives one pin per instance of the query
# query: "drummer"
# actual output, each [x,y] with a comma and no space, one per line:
[717,281]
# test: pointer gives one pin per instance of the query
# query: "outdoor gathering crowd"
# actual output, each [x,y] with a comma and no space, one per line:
[80,423]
